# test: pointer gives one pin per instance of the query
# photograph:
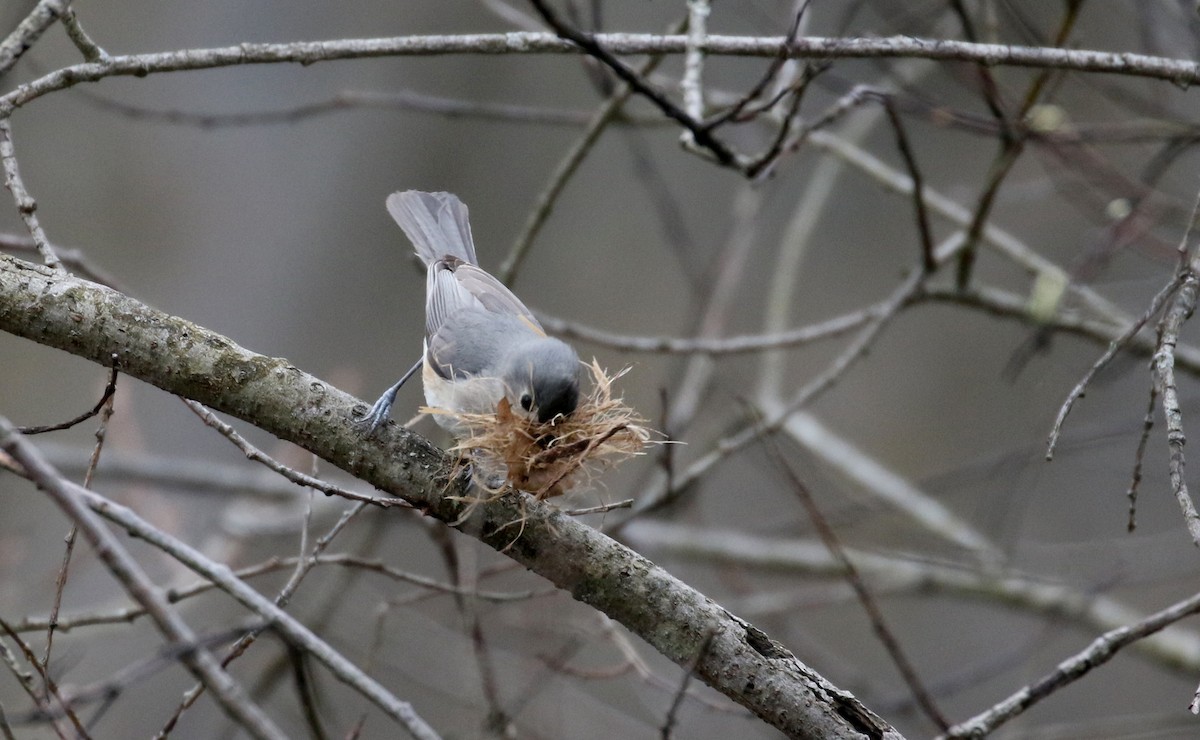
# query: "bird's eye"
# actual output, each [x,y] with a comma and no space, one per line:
[526,401]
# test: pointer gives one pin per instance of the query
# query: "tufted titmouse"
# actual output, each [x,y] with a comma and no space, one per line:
[481,343]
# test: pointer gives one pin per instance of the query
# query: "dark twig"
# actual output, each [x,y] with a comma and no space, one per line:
[1010,151]
[762,164]
[870,607]
[587,42]
[735,111]
[5,728]
[918,187]
[991,91]
[1135,482]
[306,693]
[1147,423]
[109,390]
[681,692]
[605,115]
[60,582]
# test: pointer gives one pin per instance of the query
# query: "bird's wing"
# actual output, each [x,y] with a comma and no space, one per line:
[453,286]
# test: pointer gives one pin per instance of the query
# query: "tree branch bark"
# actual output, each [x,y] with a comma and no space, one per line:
[1178,71]
[94,322]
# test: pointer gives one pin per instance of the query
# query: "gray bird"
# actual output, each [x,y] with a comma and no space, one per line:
[481,343]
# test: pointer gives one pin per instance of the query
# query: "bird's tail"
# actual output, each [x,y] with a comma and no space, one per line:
[436,224]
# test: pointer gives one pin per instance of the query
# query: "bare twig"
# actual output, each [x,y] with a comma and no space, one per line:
[60,581]
[605,115]
[304,563]
[102,404]
[918,195]
[25,679]
[1178,71]
[281,621]
[870,607]
[26,205]
[125,569]
[1182,306]
[295,476]
[90,49]
[900,573]
[351,562]
[1136,478]
[29,30]
[600,508]
[592,46]
[72,258]
[1156,305]
[51,685]
[677,700]
[1010,151]
[347,100]
[1102,649]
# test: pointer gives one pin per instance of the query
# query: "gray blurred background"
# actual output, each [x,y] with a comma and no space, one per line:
[274,234]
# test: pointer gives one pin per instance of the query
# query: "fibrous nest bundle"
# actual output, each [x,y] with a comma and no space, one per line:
[513,451]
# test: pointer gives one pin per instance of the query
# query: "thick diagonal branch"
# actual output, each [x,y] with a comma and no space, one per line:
[180,357]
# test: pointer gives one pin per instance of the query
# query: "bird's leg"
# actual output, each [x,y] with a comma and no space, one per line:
[378,414]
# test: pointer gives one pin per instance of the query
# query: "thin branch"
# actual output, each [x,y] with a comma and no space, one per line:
[605,115]
[60,581]
[1010,151]
[228,693]
[713,346]
[870,606]
[352,562]
[26,205]
[1156,304]
[109,389]
[1139,456]
[253,453]
[735,111]
[901,573]
[25,679]
[347,100]
[1178,71]
[90,50]
[918,188]
[1182,307]
[600,508]
[304,564]
[72,258]
[286,625]
[29,30]
[52,688]
[593,47]
[691,84]
[1102,650]
[677,700]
